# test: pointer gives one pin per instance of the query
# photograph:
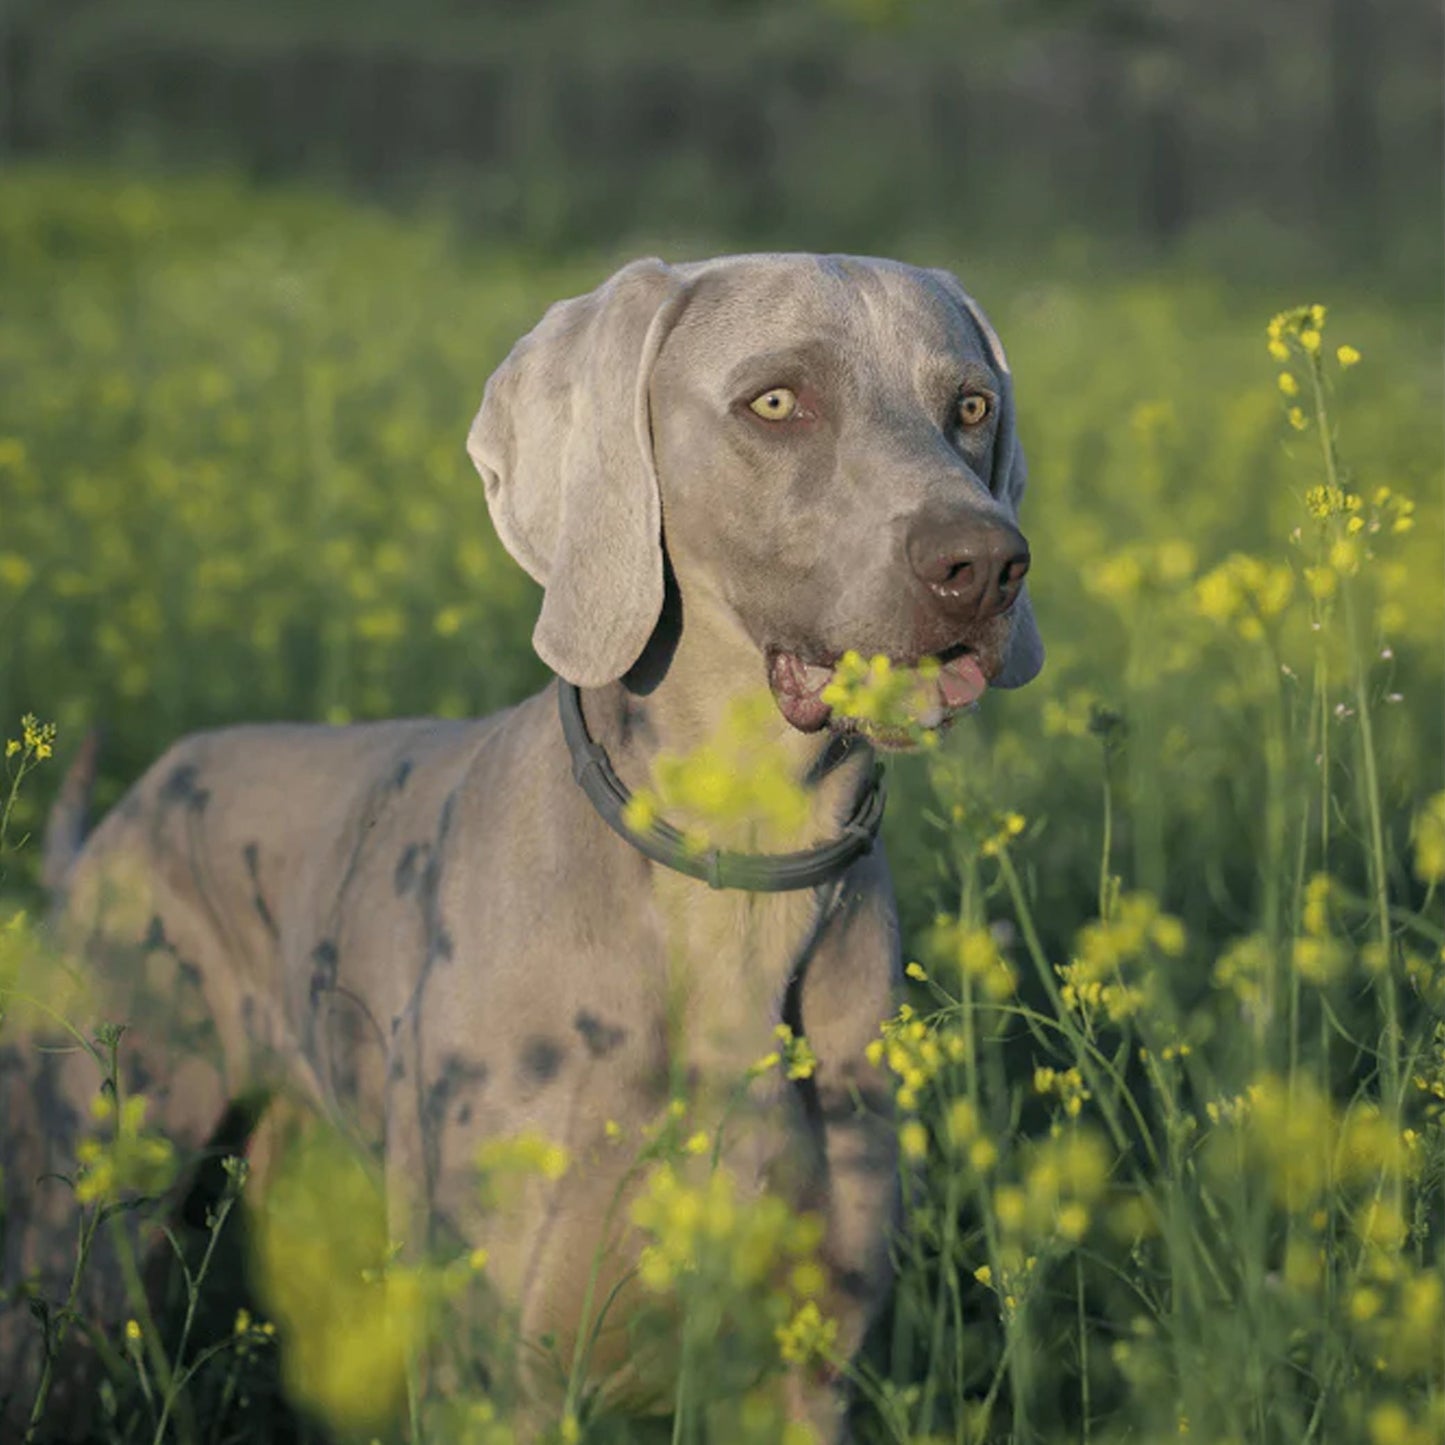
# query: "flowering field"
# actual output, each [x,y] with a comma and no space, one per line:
[1171,1067]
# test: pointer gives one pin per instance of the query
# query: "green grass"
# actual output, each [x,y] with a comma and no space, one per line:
[232,485]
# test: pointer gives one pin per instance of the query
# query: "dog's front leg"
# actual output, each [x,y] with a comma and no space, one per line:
[847,993]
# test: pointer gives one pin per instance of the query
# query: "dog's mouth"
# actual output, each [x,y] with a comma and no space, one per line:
[931,695]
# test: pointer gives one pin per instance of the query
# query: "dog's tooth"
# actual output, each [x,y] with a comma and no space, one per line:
[816,678]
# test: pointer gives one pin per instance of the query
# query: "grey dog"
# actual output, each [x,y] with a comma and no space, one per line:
[724,475]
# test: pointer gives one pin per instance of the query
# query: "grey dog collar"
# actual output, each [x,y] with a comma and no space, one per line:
[752,872]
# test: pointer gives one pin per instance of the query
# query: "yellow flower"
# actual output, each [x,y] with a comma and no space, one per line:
[129,1160]
[807,1335]
[1073,1220]
[961,1122]
[983,1155]
[505,1163]
[1345,557]
[1428,835]
[1319,960]
[799,1060]
[132,1332]
[640,812]
[1364,1304]
[351,1317]
[915,972]
[1278,349]
[1297,419]
[1287,384]
[1010,1206]
[1390,1424]
[698,1144]
[1347,355]
[1309,338]
[983,1274]
[808,1279]
[1116,578]
[913,1140]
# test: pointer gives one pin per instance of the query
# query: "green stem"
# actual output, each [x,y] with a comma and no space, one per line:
[193,1295]
[1106,850]
[1379,866]
[1046,977]
[1084,1403]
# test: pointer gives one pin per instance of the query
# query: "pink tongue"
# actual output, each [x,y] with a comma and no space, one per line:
[961,682]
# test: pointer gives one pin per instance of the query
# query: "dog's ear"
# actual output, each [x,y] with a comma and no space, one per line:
[564,447]
[1010,474]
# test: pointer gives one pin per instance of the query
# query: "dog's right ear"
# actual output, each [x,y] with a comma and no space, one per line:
[564,446]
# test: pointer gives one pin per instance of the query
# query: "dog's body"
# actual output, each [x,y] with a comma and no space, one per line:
[427,930]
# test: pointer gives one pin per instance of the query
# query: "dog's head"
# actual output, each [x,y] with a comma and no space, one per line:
[822,446]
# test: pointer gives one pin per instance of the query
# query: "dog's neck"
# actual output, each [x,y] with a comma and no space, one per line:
[721,1017]
[712,667]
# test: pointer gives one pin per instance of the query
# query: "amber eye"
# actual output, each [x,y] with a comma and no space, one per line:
[973,407]
[775,404]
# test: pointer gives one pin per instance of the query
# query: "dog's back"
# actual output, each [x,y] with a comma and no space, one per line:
[208,913]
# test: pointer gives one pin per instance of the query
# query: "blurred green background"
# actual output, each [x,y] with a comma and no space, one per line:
[256,264]
[1225,129]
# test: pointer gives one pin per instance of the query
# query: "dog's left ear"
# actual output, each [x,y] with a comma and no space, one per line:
[1010,474]
[563,442]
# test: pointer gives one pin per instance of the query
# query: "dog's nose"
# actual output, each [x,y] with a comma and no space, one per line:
[974,566]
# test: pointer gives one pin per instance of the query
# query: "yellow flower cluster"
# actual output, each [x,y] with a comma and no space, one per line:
[1010,1283]
[504,1163]
[1244,968]
[1245,593]
[1323,502]
[1007,827]
[1302,327]
[1070,716]
[1427,833]
[709,1234]
[36,740]
[741,778]
[1302,324]
[1067,1085]
[1122,575]
[1317,956]
[1429,1076]
[1391,511]
[973,950]
[351,1318]
[1391,1423]
[965,1137]
[1290,1135]
[809,1335]
[128,1160]
[881,696]
[1346,531]
[798,1059]
[916,1053]
[1100,979]
[1065,1176]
